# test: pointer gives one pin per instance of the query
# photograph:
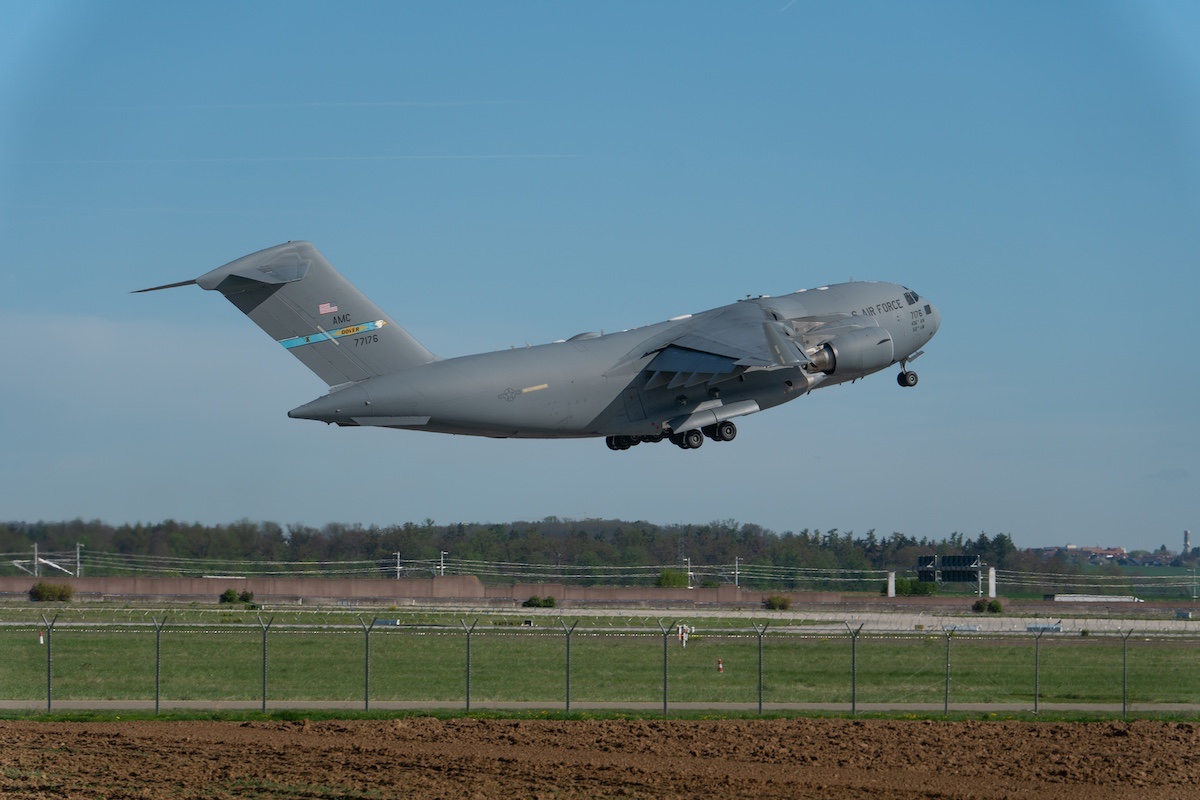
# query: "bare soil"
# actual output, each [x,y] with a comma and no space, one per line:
[467,758]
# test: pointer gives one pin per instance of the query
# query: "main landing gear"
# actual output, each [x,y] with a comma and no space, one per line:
[907,378]
[688,440]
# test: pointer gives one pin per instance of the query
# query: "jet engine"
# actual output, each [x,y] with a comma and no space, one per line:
[861,350]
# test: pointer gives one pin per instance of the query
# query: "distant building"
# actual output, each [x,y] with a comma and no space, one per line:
[1090,553]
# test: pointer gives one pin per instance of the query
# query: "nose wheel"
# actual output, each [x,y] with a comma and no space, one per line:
[907,378]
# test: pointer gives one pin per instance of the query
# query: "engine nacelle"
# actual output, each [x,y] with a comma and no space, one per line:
[862,350]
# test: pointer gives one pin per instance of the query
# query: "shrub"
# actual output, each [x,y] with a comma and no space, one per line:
[539,602]
[777,602]
[672,579]
[979,606]
[246,597]
[229,596]
[994,607]
[911,587]
[43,592]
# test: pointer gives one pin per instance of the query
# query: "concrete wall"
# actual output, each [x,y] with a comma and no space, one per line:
[450,588]
[268,590]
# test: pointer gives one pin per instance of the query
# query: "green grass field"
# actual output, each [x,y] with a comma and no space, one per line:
[612,661]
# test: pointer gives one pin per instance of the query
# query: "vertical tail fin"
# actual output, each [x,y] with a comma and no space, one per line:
[301,301]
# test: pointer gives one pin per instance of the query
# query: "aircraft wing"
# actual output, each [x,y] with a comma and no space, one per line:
[728,340]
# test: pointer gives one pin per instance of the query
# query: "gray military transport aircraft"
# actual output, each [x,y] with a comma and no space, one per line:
[683,380]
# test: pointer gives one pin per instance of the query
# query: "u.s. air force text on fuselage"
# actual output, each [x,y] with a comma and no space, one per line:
[684,379]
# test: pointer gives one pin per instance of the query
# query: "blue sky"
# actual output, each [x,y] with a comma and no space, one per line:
[496,174]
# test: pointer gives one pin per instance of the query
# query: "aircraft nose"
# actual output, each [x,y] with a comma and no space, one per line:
[935,318]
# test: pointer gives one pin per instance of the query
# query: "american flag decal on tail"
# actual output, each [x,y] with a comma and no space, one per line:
[327,308]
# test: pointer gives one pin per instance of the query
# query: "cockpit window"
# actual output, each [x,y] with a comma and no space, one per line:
[911,297]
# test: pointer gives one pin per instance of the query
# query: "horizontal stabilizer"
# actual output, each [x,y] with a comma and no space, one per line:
[164,286]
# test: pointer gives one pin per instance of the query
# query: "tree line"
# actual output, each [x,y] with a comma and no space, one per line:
[551,541]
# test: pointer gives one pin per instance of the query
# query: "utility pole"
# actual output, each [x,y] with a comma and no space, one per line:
[397,565]
[78,561]
[736,559]
[36,568]
[442,563]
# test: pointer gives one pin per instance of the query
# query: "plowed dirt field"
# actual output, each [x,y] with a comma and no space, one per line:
[466,758]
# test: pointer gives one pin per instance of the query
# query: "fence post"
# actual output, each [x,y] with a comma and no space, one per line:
[853,666]
[266,626]
[760,632]
[1125,674]
[1037,668]
[469,631]
[946,699]
[666,632]
[568,632]
[49,661]
[158,629]
[367,661]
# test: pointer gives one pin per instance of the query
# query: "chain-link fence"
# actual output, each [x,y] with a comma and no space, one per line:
[381,664]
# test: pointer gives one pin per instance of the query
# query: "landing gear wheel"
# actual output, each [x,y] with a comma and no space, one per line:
[611,441]
[726,431]
[692,439]
[907,379]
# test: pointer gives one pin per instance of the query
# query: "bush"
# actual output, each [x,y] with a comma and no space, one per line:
[990,606]
[246,597]
[979,606]
[43,592]
[777,602]
[911,587]
[539,602]
[994,607]
[229,596]
[672,579]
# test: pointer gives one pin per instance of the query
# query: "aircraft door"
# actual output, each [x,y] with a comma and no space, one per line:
[634,410]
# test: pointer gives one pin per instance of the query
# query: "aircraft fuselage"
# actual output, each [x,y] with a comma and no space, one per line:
[591,386]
